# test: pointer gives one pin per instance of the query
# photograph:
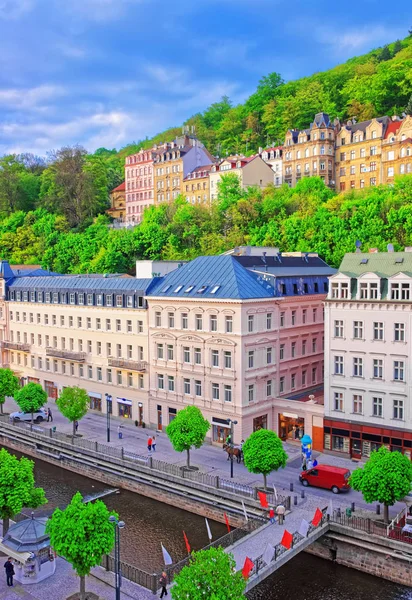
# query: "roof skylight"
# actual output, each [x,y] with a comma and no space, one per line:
[189,289]
[202,289]
[179,287]
[214,289]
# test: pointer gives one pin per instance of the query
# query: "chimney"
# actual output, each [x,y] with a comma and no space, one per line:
[260,150]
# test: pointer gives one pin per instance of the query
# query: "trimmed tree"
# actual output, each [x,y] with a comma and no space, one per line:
[263,453]
[31,398]
[386,478]
[188,429]
[9,385]
[210,574]
[17,487]
[73,403]
[82,534]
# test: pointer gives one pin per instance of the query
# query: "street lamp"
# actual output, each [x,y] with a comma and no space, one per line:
[108,411]
[118,525]
[232,423]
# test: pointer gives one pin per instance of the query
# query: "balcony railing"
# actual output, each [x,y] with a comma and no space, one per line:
[67,354]
[16,346]
[130,365]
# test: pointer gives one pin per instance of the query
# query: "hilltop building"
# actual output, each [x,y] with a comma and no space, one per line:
[117,208]
[251,171]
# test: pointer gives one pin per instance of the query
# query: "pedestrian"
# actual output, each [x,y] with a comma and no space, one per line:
[272,515]
[154,443]
[49,415]
[119,432]
[8,565]
[149,443]
[163,583]
[76,426]
[304,462]
[241,450]
[315,463]
[280,511]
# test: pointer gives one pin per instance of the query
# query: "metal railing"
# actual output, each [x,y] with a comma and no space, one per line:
[69,354]
[131,365]
[132,573]
[16,346]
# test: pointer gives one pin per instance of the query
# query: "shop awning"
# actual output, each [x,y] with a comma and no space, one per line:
[20,556]
[94,395]
[124,401]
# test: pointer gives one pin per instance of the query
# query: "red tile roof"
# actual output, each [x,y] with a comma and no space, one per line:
[120,188]
[392,128]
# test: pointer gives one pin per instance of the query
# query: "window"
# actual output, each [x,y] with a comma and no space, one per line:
[184,321]
[140,353]
[198,387]
[98,348]
[228,393]
[171,319]
[282,352]
[304,347]
[293,349]
[398,409]
[399,332]
[170,352]
[293,317]
[198,356]
[198,322]
[186,354]
[282,319]
[140,379]
[391,171]
[268,388]
[158,319]
[358,330]
[89,323]
[314,343]
[338,362]
[251,359]
[250,323]
[281,384]
[399,370]
[160,382]
[268,356]
[139,326]
[269,321]
[119,301]
[358,367]
[98,323]
[215,391]
[229,324]
[215,358]
[228,359]
[79,322]
[358,404]
[129,327]
[160,354]
[338,401]
[405,289]
[251,392]
[109,375]
[292,381]
[338,328]
[378,368]
[378,331]
[377,406]
[171,383]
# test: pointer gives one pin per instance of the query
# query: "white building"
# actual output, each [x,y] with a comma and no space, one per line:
[274,157]
[368,376]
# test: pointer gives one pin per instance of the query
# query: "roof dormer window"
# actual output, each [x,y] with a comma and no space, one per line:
[339,290]
[368,290]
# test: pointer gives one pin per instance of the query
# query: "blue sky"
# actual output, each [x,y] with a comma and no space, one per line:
[110,72]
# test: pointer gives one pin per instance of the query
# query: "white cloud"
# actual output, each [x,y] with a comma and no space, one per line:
[356,39]
[11,10]
[16,98]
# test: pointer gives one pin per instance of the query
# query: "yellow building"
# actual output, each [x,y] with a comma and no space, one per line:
[117,208]
[310,152]
[397,150]
[196,185]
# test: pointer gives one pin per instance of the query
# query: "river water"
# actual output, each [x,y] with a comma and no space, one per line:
[149,523]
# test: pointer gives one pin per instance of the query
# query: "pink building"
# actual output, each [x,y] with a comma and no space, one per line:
[139,184]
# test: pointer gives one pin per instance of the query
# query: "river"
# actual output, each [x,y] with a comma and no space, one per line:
[148,523]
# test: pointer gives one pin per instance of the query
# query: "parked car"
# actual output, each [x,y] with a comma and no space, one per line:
[328,477]
[38,416]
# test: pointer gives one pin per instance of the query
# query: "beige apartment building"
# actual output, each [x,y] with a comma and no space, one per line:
[251,171]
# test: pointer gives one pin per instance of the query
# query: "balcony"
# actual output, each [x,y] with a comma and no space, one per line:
[16,346]
[130,365]
[66,354]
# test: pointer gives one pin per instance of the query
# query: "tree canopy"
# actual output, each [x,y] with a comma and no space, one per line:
[210,575]
[30,398]
[73,403]
[82,534]
[9,385]
[17,487]
[263,453]
[188,430]
[386,477]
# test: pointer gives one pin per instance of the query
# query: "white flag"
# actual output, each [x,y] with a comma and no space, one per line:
[329,510]
[244,510]
[166,556]
[209,533]
[275,492]
[304,528]
[268,553]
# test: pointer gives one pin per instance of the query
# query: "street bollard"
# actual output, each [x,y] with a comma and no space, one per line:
[338,513]
[302,493]
[353,507]
[378,509]
[295,500]
[291,487]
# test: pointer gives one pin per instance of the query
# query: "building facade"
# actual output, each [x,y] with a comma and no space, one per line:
[368,333]
[139,184]
[397,150]
[274,157]
[251,171]
[196,188]
[117,208]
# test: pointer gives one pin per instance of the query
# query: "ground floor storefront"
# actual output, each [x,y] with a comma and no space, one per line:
[294,419]
[358,441]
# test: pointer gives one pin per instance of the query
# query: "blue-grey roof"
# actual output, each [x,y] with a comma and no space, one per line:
[5,270]
[35,273]
[65,283]
[213,277]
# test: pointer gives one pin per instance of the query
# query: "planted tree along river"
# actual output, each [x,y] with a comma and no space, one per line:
[150,523]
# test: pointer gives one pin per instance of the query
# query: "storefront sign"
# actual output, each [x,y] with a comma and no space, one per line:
[124,401]
[290,415]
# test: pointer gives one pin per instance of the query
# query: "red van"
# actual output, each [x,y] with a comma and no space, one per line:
[328,477]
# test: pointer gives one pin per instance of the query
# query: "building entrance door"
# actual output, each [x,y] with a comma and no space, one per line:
[159,417]
[356,449]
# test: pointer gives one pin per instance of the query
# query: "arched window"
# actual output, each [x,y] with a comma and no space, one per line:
[322,149]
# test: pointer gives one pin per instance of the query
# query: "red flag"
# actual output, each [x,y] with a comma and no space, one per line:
[247,567]
[227,523]
[287,539]
[263,499]
[187,543]
[317,517]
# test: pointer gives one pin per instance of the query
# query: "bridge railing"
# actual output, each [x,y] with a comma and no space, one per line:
[371,526]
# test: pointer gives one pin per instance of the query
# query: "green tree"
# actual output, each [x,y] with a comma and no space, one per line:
[408,108]
[17,487]
[385,54]
[30,398]
[82,534]
[386,478]
[210,575]
[73,403]
[397,47]
[263,453]
[188,429]
[9,385]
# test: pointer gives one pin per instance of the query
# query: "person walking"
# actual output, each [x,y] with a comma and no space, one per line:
[8,565]
[49,415]
[154,443]
[119,432]
[163,583]
[149,443]
[76,426]
[241,449]
[280,511]
[272,515]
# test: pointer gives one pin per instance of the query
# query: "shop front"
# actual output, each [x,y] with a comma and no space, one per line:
[291,426]
[51,389]
[124,408]
[95,401]
[172,414]
[260,422]
[220,430]
[357,441]
[33,380]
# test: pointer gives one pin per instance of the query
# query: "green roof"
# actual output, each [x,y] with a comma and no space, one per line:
[384,264]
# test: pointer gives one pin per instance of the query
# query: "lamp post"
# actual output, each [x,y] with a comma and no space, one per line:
[118,525]
[108,411]
[232,423]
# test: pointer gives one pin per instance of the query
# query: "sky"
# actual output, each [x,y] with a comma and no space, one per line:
[111,72]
